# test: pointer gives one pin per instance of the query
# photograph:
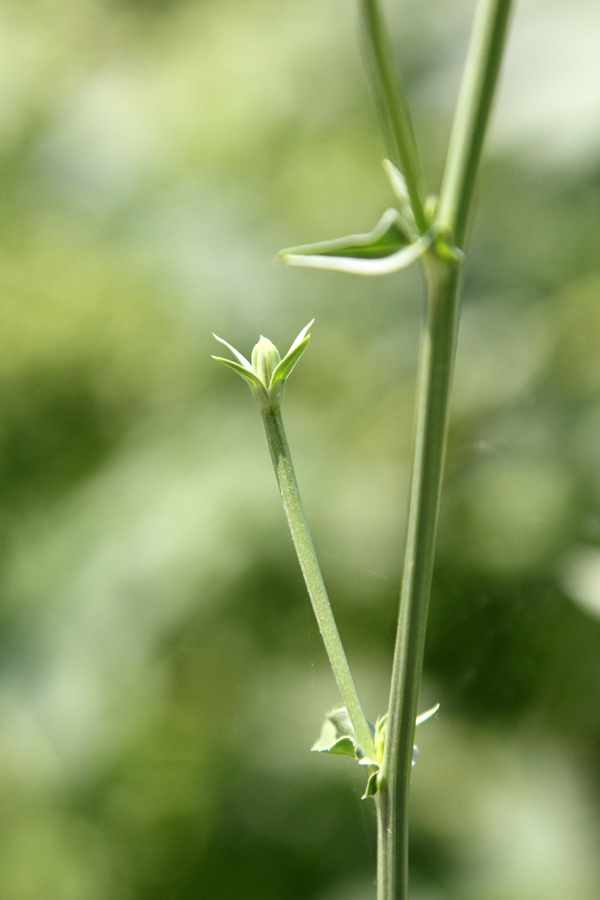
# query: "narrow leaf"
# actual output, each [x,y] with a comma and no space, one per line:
[389,235]
[427,715]
[252,379]
[383,266]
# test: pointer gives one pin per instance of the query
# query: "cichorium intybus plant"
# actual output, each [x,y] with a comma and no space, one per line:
[431,230]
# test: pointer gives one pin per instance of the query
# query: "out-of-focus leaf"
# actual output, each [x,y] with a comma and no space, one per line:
[355,258]
[427,715]
[337,735]
[389,235]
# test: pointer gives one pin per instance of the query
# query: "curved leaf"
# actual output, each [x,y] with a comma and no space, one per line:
[389,235]
[427,715]
[360,266]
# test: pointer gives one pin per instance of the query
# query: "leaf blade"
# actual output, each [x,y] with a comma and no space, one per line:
[356,266]
[390,234]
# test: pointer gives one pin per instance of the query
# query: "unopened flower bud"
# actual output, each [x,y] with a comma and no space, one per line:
[267,373]
[265,359]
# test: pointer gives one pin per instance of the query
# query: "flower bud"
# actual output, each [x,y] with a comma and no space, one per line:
[265,359]
[267,373]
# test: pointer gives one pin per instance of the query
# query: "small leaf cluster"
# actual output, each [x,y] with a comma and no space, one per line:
[338,738]
[268,372]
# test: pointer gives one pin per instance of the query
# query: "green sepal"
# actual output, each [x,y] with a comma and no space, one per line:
[288,362]
[253,380]
[284,369]
[240,358]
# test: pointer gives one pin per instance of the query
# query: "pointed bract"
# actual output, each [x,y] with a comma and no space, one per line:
[298,340]
[288,362]
[241,359]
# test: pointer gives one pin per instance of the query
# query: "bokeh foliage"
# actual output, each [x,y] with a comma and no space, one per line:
[161,677]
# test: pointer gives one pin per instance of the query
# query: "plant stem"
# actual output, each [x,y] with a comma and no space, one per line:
[393,108]
[433,391]
[286,479]
[472,114]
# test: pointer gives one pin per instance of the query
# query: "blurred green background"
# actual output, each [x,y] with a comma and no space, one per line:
[161,677]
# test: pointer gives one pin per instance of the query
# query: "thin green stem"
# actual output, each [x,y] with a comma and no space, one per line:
[473,109]
[286,479]
[393,108]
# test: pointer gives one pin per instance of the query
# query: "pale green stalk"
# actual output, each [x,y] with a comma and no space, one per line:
[286,479]
[442,266]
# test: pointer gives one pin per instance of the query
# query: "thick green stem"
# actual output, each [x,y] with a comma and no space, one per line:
[286,479]
[434,381]
[393,108]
